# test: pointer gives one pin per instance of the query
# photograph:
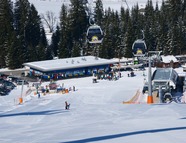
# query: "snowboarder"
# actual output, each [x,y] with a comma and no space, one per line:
[67,106]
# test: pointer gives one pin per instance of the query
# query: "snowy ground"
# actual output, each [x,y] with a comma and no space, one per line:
[96,115]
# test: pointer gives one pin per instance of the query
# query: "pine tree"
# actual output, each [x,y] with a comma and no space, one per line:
[156,26]
[7,37]
[76,49]
[55,42]
[175,37]
[183,11]
[175,7]
[65,41]
[78,20]
[136,22]
[110,42]
[116,35]
[125,17]
[104,51]
[28,29]
[99,13]
[21,15]
[163,28]
[43,51]
[149,28]
[33,33]
[13,63]
[171,43]
[129,40]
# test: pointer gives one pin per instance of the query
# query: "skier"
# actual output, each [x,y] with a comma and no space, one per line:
[67,106]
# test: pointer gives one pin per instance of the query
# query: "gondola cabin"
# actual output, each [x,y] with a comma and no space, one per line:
[139,48]
[94,34]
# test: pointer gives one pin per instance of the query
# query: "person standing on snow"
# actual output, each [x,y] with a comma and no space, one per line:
[38,94]
[67,106]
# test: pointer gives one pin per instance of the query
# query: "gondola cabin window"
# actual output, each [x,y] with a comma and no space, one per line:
[139,48]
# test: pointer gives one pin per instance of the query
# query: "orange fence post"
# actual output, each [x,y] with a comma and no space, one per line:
[20,100]
[149,99]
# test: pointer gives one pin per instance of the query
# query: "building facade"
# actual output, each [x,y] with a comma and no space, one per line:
[69,67]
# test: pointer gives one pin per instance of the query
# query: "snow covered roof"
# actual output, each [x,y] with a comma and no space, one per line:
[168,59]
[123,59]
[165,74]
[68,63]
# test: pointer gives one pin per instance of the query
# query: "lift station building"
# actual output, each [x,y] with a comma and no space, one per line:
[69,67]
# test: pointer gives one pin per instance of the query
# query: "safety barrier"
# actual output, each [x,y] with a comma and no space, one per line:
[135,99]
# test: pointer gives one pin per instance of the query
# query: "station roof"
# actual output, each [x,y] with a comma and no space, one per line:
[168,59]
[68,63]
[165,74]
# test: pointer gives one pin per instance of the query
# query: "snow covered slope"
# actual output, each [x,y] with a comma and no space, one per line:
[96,115]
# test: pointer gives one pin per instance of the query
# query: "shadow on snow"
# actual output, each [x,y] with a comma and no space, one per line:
[183,118]
[47,112]
[101,138]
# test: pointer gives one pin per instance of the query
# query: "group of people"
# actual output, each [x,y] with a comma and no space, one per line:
[131,74]
[74,89]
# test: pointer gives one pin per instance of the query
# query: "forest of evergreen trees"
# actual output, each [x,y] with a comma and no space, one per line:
[23,39]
